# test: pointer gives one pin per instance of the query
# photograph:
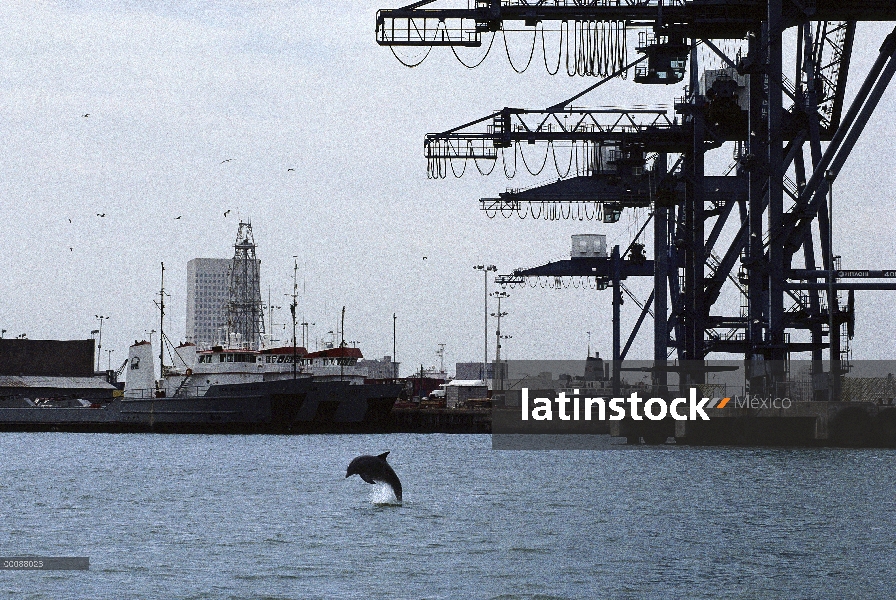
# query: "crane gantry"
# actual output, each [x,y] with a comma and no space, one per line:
[781,258]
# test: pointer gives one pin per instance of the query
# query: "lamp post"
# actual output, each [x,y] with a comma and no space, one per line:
[441,354]
[99,346]
[499,295]
[109,363]
[485,271]
[506,337]
[498,371]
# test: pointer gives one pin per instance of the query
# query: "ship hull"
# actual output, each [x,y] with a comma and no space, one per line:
[278,407]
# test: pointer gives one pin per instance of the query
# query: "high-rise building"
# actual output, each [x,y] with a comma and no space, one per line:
[208,289]
[224,297]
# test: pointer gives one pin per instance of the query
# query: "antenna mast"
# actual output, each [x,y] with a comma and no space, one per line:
[245,309]
[292,309]
[271,309]
[304,299]
[162,324]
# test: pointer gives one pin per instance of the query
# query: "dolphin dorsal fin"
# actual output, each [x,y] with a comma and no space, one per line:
[384,455]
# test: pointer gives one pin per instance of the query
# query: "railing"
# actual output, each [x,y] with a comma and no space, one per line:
[153,394]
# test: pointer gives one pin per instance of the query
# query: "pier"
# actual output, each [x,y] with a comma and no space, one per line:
[844,424]
[441,420]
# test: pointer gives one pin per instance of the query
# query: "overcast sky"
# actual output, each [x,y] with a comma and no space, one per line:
[173,89]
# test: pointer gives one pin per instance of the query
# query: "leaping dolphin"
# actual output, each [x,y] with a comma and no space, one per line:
[373,469]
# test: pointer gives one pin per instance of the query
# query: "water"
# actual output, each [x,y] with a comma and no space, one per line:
[273,517]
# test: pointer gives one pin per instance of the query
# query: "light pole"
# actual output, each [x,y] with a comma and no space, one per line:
[99,346]
[498,371]
[485,270]
[499,295]
[506,337]
[109,364]
[441,354]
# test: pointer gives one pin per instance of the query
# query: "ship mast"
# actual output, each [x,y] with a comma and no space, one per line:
[162,325]
[304,301]
[292,309]
[245,309]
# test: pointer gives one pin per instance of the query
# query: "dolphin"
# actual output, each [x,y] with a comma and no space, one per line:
[373,469]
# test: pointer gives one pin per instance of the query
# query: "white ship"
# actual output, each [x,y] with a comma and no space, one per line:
[195,371]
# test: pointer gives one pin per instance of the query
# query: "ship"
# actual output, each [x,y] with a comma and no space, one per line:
[278,390]
[246,387]
[274,390]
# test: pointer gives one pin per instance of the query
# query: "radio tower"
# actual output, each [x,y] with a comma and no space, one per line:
[245,311]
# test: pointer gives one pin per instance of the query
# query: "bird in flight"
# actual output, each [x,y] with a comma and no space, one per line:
[226,212]
[86,115]
[177,217]
[424,258]
[71,249]
[101,215]
[69,220]
[290,169]
[226,160]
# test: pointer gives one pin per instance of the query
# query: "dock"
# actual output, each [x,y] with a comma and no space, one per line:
[441,420]
[844,424]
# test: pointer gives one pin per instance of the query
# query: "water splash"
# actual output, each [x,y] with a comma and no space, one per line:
[382,495]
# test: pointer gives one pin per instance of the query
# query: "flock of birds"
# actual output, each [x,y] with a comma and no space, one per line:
[103,215]
[178,217]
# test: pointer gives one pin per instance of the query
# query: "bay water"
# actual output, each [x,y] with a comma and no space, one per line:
[198,516]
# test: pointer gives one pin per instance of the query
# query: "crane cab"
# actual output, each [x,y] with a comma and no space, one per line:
[666,59]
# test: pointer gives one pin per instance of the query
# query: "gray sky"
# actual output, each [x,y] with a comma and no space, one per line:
[173,89]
